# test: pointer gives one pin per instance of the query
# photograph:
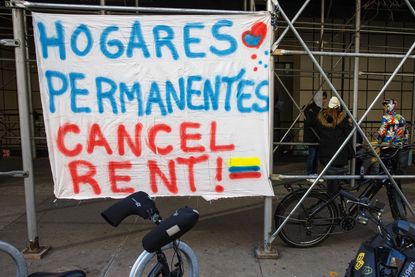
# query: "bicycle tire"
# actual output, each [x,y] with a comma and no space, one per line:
[145,258]
[299,223]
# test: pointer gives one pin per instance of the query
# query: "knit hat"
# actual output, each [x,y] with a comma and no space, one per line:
[390,104]
[334,103]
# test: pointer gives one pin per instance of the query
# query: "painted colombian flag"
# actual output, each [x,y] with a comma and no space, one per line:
[244,168]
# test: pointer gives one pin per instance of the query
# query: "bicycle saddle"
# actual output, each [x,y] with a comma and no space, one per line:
[72,273]
[170,229]
[407,228]
[138,203]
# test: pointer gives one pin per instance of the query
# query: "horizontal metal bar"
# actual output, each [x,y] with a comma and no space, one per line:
[282,52]
[286,128]
[328,30]
[341,26]
[54,6]
[339,177]
[386,74]
[15,173]
[296,143]
[10,137]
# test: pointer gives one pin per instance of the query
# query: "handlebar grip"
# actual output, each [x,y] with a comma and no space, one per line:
[170,229]
[138,203]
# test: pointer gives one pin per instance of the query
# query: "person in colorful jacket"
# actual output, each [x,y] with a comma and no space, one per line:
[392,130]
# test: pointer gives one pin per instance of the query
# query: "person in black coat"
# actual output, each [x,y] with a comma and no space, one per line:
[311,112]
[333,127]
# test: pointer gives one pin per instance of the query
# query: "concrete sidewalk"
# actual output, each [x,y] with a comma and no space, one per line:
[224,239]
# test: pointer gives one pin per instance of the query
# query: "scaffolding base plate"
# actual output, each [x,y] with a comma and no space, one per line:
[35,254]
[261,253]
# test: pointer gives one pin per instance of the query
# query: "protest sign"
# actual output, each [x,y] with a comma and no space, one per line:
[171,105]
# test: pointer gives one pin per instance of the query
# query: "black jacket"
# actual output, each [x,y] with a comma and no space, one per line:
[311,112]
[333,127]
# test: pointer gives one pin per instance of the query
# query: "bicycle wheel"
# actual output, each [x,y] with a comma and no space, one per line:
[146,263]
[301,229]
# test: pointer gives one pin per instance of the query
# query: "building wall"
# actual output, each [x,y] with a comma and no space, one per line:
[340,70]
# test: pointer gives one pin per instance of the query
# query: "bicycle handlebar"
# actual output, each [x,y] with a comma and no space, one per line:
[170,229]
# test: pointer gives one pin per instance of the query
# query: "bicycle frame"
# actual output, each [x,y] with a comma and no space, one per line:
[185,249]
[163,267]
[369,192]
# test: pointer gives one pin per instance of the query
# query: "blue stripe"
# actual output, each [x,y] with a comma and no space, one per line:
[243,168]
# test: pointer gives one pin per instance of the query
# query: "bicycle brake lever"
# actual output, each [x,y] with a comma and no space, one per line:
[155,216]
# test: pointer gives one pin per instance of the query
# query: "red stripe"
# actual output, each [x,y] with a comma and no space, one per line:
[243,175]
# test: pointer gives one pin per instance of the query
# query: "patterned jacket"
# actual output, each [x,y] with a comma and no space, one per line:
[393,129]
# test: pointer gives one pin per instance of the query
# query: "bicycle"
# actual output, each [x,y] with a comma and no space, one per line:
[319,214]
[163,237]
[157,242]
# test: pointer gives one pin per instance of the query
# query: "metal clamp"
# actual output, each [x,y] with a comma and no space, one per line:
[9,42]
[274,17]
[15,4]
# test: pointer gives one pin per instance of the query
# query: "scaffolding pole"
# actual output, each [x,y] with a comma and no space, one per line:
[321,42]
[342,177]
[412,138]
[266,251]
[283,52]
[53,6]
[356,81]
[282,35]
[33,250]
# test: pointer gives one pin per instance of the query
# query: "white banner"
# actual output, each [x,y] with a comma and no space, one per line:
[171,105]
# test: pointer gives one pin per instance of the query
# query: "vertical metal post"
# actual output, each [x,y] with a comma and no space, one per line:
[33,248]
[267,252]
[29,93]
[321,42]
[412,138]
[21,77]
[413,112]
[356,81]
[102,3]
[251,5]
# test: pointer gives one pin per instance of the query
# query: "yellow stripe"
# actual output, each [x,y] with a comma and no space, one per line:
[246,161]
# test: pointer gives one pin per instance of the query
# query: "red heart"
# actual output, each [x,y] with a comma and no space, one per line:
[258,30]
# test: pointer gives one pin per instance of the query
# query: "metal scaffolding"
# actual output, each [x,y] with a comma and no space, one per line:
[354,116]
[266,250]
[21,60]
